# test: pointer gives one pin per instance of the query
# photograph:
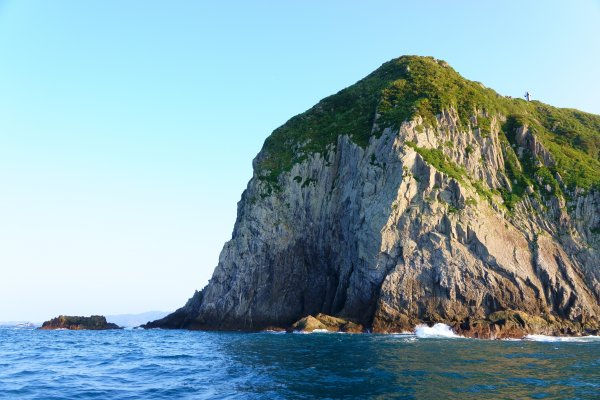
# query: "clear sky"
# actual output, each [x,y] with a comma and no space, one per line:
[127,128]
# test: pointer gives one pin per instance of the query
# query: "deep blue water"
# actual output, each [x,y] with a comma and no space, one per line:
[157,364]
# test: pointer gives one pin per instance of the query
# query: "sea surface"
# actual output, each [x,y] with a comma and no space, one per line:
[162,364]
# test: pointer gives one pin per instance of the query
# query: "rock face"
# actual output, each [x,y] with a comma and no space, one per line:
[401,201]
[95,323]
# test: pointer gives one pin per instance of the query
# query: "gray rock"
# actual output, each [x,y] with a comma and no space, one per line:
[396,243]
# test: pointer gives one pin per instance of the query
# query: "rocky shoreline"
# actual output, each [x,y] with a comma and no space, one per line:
[499,325]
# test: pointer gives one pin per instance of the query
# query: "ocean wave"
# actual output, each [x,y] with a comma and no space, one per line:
[313,331]
[403,333]
[170,364]
[404,337]
[436,331]
[545,338]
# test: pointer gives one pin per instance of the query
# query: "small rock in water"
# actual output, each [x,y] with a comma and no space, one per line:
[324,322]
[94,322]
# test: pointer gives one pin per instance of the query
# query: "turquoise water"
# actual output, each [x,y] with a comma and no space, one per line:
[157,364]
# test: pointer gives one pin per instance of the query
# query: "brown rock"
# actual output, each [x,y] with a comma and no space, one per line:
[326,322]
[94,322]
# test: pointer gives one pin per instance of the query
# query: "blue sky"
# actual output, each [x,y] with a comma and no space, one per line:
[127,128]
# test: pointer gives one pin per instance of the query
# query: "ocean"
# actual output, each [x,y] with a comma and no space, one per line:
[163,364]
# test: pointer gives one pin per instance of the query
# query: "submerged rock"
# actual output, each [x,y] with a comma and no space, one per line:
[415,197]
[95,323]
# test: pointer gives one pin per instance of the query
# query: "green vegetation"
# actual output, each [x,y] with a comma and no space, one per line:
[348,112]
[470,202]
[485,125]
[431,86]
[469,150]
[573,139]
[483,191]
[438,159]
[574,162]
[412,86]
[573,144]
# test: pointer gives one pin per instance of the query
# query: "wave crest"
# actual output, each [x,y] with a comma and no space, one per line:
[436,331]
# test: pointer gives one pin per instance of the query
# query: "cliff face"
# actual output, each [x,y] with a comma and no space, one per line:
[400,201]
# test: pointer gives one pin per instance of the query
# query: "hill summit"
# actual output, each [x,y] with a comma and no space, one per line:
[416,196]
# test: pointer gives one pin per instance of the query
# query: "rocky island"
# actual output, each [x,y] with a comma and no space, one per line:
[94,322]
[415,196]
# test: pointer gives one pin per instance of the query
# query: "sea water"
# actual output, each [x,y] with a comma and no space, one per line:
[163,364]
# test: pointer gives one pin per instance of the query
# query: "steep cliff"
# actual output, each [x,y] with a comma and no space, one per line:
[416,196]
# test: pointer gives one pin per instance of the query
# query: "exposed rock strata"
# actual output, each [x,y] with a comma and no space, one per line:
[378,235]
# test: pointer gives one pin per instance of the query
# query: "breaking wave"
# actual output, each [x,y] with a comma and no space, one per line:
[436,331]
[273,331]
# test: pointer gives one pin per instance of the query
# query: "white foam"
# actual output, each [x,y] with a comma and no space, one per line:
[403,333]
[313,331]
[545,338]
[436,331]
[273,331]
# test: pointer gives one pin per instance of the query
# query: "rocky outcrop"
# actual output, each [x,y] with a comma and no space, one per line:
[323,322]
[413,227]
[94,323]
[512,324]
